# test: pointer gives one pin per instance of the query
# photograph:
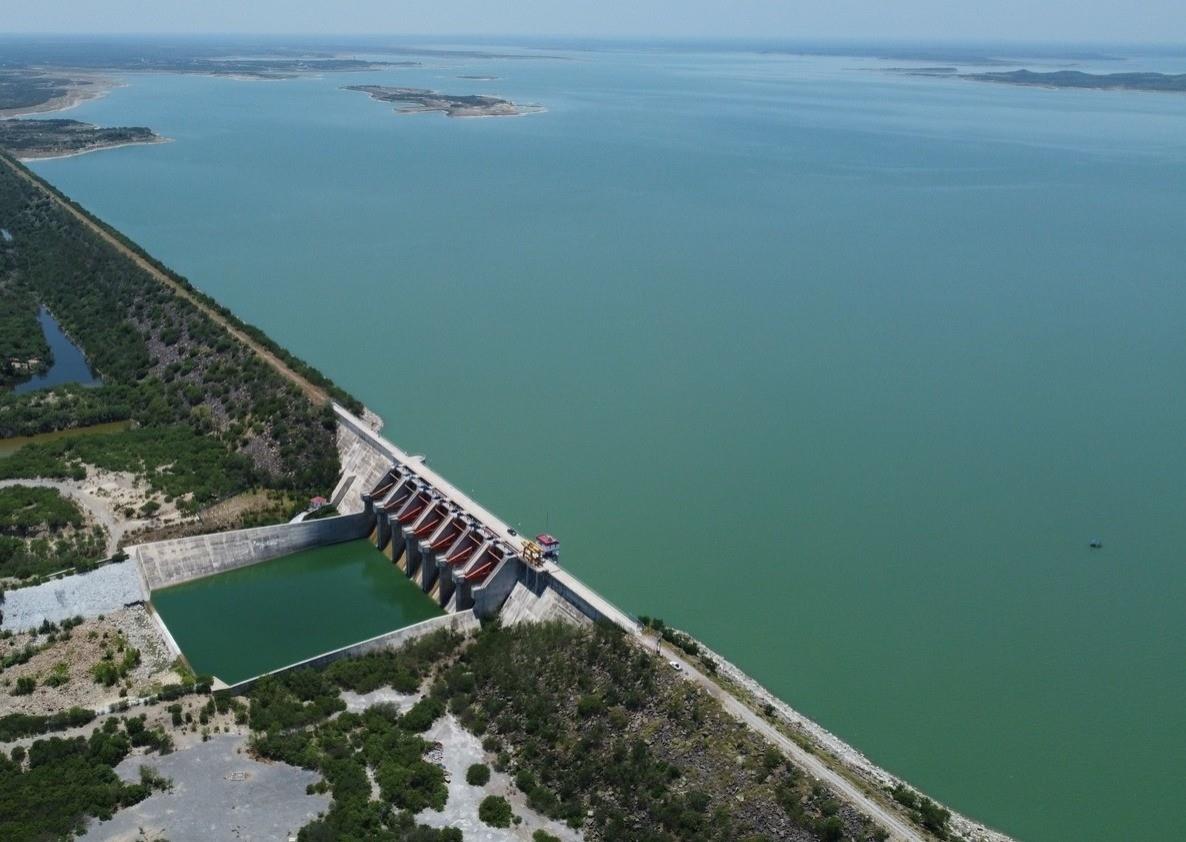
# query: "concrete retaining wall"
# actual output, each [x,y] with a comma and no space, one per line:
[489,597]
[166,563]
[363,465]
[585,599]
[463,622]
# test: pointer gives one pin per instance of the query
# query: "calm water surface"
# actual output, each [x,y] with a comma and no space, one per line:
[259,618]
[11,445]
[69,365]
[841,370]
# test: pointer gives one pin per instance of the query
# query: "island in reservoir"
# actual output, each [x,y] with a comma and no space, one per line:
[1149,82]
[421,100]
[1157,82]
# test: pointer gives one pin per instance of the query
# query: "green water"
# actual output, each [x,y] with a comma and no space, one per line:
[254,619]
[10,446]
[841,370]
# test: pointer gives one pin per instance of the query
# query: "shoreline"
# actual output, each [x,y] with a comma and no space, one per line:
[26,159]
[849,758]
[525,111]
[76,95]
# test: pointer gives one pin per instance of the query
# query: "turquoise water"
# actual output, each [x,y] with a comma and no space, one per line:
[838,369]
[69,365]
[256,619]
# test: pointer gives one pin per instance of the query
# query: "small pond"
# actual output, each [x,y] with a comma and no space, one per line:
[70,366]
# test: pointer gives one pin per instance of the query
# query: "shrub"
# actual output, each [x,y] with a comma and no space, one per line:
[932,816]
[495,811]
[905,796]
[477,775]
[422,715]
[831,829]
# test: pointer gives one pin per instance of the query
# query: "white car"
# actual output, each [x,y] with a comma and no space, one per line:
[675,665]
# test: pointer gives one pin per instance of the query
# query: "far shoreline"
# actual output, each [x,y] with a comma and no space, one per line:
[76,95]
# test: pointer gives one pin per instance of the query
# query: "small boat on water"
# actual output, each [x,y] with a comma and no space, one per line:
[1096,544]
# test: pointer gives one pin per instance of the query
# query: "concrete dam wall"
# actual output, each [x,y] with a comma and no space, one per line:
[462,623]
[166,563]
[458,552]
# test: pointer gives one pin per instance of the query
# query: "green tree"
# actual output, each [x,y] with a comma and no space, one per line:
[495,811]
[477,774]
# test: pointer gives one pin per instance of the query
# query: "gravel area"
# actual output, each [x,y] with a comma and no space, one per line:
[101,591]
[358,702]
[459,750]
[219,792]
[79,653]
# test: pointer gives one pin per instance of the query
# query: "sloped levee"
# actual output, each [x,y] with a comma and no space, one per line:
[167,563]
[101,591]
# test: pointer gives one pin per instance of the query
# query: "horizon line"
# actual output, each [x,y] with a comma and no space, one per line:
[853,40]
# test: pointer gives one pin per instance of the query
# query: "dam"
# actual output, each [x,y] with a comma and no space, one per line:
[407,549]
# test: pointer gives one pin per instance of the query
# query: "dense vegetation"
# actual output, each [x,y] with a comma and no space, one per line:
[214,418]
[17,725]
[593,730]
[42,532]
[291,716]
[24,350]
[64,407]
[26,511]
[48,791]
[596,734]
[176,461]
[495,811]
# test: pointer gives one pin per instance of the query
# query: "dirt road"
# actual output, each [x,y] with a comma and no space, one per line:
[102,509]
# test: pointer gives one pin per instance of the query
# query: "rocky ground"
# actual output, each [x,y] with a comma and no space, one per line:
[459,750]
[251,508]
[105,590]
[219,792]
[79,650]
[220,789]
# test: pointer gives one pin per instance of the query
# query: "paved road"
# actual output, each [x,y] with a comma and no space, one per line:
[314,393]
[898,828]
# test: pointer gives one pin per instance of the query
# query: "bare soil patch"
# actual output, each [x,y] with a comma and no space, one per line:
[80,649]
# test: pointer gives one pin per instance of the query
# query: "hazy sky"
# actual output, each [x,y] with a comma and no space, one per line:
[1042,20]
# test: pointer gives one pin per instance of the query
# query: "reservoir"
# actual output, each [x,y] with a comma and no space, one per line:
[837,368]
[248,621]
